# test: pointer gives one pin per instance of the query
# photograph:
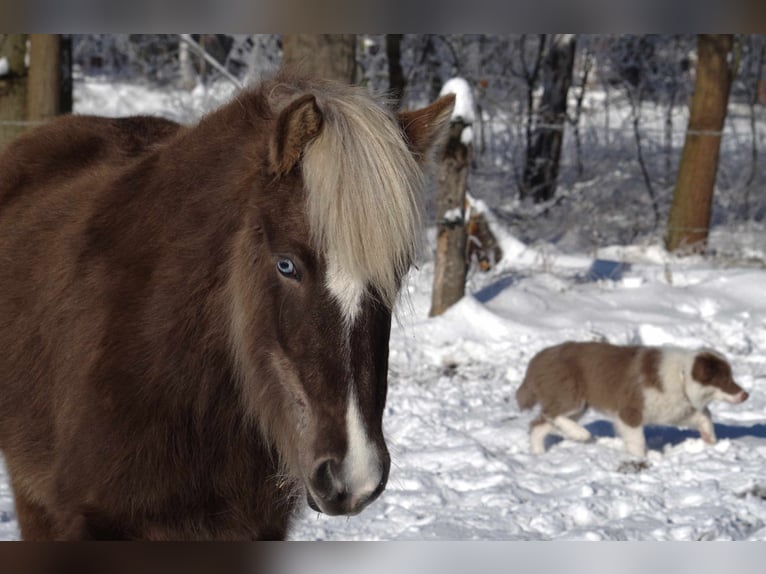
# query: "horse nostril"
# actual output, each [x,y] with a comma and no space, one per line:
[338,490]
[325,479]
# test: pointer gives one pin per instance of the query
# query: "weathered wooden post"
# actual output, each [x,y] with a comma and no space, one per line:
[13,86]
[450,262]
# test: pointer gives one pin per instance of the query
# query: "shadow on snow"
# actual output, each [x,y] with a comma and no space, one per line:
[659,437]
[600,270]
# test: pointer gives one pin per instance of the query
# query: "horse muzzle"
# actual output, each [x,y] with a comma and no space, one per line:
[330,491]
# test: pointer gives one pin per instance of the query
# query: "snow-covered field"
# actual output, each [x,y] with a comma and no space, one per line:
[461,467]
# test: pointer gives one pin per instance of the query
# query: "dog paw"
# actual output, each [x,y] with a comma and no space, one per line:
[632,466]
[708,438]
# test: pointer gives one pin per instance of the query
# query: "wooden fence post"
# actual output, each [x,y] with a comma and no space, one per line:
[450,265]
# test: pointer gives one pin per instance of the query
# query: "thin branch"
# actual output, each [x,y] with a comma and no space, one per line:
[635,113]
[752,100]
[575,121]
[674,87]
[531,77]
[202,53]
[455,59]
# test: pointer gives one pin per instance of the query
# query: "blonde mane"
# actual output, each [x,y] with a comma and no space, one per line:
[364,188]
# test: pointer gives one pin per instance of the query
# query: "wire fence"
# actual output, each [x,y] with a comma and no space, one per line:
[602,196]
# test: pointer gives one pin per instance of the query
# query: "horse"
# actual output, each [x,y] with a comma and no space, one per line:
[195,320]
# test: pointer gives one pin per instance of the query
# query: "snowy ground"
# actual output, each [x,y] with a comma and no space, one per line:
[461,466]
[459,443]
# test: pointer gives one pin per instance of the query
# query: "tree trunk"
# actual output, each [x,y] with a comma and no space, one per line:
[542,163]
[44,87]
[188,79]
[330,56]
[202,61]
[693,196]
[396,80]
[432,65]
[13,86]
[450,264]
[66,99]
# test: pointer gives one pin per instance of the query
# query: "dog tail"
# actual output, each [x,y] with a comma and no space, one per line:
[526,397]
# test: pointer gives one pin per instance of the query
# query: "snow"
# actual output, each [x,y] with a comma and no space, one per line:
[454,215]
[465,107]
[464,104]
[107,97]
[466,136]
[461,466]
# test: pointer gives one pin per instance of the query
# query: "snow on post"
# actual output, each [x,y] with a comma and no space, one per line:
[464,106]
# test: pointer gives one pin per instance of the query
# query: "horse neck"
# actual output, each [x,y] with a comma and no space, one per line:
[166,251]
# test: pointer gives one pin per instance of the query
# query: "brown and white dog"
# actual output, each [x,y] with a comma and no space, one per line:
[634,385]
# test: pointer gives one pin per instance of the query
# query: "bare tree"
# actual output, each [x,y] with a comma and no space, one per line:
[188,77]
[13,86]
[66,100]
[672,89]
[693,196]
[757,60]
[574,119]
[542,162]
[635,61]
[44,87]
[396,80]
[331,56]
[636,98]
[530,74]
[437,58]
[36,92]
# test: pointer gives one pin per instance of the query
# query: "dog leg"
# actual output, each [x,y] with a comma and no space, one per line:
[632,436]
[539,429]
[704,423]
[571,429]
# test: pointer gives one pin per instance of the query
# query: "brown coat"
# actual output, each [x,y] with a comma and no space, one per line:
[635,385]
[179,357]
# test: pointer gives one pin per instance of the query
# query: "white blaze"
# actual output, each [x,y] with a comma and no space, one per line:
[346,289]
[361,467]
[362,470]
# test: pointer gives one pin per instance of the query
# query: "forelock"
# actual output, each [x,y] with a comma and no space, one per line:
[363,190]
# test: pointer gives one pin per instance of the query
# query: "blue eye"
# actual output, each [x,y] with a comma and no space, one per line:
[286,267]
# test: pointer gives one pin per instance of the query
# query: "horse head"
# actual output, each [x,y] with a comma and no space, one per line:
[331,228]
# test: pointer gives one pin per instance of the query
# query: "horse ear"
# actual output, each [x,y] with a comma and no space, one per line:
[426,128]
[298,124]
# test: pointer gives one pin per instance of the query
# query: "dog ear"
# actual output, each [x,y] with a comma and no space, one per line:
[298,124]
[706,367]
[425,129]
